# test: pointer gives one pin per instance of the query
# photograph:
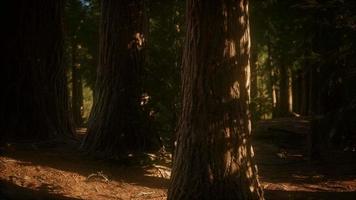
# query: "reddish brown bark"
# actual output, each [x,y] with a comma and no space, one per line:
[117,124]
[214,157]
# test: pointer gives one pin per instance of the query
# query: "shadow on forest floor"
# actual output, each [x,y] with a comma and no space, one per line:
[285,173]
[302,195]
[9,190]
[295,178]
[63,169]
[71,160]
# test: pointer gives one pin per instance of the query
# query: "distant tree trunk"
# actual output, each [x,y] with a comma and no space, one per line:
[214,156]
[254,88]
[271,87]
[35,101]
[117,124]
[315,104]
[290,92]
[77,88]
[310,92]
[297,91]
[283,91]
[305,93]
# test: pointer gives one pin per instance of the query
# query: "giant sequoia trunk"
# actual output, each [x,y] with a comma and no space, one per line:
[34,93]
[117,124]
[214,156]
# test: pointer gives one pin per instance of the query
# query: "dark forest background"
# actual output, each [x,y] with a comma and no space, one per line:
[303,61]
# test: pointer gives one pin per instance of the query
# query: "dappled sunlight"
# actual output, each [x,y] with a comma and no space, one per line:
[179,100]
[235,90]
[78,177]
[137,42]
[33,176]
[159,171]
[59,173]
[326,186]
[287,172]
[229,50]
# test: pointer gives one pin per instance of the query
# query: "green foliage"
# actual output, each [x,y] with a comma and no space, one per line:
[87,102]
[162,72]
[302,35]
[161,78]
[82,33]
[305,35]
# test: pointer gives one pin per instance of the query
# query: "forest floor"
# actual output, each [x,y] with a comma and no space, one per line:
[63,172]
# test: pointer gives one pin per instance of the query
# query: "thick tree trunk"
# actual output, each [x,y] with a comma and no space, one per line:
[117,124]
[35,101]
[214,156]
[77,88]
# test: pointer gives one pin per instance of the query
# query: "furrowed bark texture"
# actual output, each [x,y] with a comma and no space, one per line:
[117,124]
[35,95]
[214,156]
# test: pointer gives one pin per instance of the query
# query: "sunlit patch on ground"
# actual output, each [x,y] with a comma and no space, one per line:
[66,178]
[65,173]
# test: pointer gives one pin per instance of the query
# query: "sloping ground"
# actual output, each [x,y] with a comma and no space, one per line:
[68,174]
[65,173]
[287,172]
[295,125]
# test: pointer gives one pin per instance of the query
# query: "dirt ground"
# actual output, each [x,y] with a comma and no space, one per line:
[63,172]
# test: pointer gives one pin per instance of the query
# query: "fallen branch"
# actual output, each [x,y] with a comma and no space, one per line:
[99,174]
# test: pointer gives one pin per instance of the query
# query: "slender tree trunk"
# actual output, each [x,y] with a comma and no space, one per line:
[296,91]
[254,88]
[274,92]
[117,124]
[290,91]
[305,93]
[35,101]
[214,156]
[283,91]
[77,88]
[272,87]
[311,98]
[315,101]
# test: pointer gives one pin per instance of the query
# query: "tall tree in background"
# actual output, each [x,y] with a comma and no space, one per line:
[75,15]
[34,95]
[283,91]
[162,72]
[117,124]
[77,87]
[214,156]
